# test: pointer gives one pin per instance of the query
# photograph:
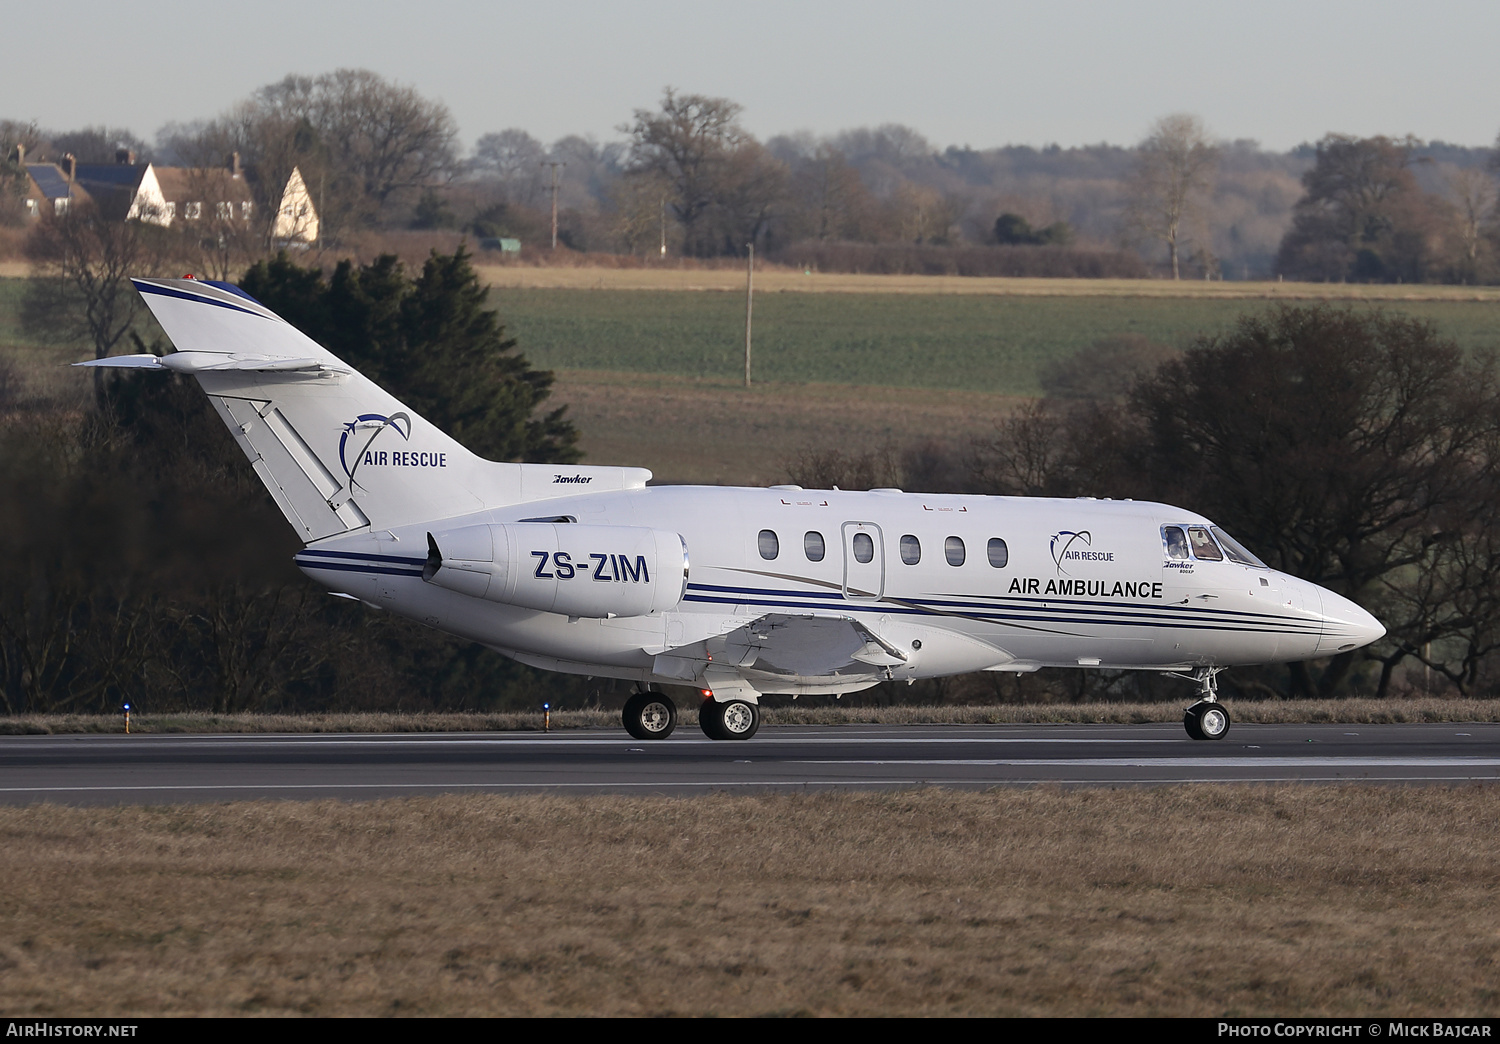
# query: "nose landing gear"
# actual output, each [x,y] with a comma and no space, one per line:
[1207,719]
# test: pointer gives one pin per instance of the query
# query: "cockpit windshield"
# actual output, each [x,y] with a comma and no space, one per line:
[1206,544]
[1204,548]
[1236,551]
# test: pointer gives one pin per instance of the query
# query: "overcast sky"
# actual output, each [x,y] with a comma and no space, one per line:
[962,73]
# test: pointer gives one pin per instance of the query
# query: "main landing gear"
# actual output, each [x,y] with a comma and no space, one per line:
[1207,719]
[733,720]
[649,716]
[652,716]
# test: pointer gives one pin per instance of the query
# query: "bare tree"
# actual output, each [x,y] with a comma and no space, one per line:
[83,263]
[386,135]
[1472,195]
[1362,215]
[98,144]
[362,143]
[687,143]
[923,214]
[1175,165]
[754,183]
[513,158]
[639,219]
[828,199]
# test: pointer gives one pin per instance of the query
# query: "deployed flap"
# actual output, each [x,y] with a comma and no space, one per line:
[806,646]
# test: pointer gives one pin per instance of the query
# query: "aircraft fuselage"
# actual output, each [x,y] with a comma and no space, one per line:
[956,583]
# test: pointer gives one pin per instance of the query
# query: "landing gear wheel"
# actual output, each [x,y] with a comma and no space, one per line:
[711,719]
[738,719]
[1206,721]
[649,716]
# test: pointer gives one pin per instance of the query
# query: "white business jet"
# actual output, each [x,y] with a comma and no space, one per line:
[736,592]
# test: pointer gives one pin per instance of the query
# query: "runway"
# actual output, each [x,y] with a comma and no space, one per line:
[159,769]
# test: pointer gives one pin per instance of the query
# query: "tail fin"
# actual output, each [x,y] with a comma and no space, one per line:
[336,452]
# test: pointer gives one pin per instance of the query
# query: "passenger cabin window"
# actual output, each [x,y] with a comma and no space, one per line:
[864,547]
[998,552]
[770,547]
[911,549]
[1203,545]
[1176,542]
[953,548]
[812,544]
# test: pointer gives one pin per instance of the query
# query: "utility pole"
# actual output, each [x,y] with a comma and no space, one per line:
[749,303]
[554,164]
[664,228]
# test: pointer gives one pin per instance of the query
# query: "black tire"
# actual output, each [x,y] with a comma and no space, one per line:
[1190,723]
[649,716]
[1206,721]
[739,719]
[711,719]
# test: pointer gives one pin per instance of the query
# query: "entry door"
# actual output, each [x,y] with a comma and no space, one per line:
[864,561]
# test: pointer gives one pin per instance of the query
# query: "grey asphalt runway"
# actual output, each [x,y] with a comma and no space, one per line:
[157,769]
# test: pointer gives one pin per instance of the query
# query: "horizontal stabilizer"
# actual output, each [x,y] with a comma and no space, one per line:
[204,362]
[126,362]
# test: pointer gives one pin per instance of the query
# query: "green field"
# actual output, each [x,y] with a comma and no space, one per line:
[989,344]
[977,343]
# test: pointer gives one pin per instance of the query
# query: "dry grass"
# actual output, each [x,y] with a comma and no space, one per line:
[1196,901]
[779,279]
[1282,712]
[700,431]
[730,276]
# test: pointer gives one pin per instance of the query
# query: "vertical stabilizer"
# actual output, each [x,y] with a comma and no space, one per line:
[336,451]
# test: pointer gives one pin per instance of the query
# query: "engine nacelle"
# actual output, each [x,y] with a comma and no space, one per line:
[576,570]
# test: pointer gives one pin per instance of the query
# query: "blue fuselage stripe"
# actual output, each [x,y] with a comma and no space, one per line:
[1196,617]
[359,556]
[1063,617]
[362,567]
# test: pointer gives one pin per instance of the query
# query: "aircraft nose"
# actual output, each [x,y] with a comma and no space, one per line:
[1345,625]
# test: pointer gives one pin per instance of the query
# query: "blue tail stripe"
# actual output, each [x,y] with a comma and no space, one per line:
[167,291]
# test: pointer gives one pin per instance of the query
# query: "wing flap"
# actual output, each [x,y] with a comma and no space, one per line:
[806,646]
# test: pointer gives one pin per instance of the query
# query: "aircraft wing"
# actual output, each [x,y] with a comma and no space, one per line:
[804,646]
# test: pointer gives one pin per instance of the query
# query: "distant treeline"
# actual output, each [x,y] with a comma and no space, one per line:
[687,178]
